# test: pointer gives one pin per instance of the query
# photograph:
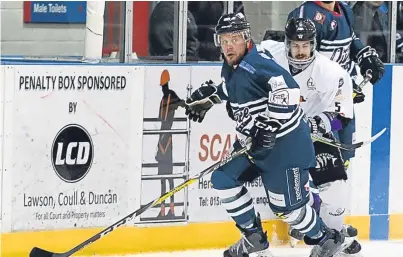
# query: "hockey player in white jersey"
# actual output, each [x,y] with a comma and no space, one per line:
[326,96]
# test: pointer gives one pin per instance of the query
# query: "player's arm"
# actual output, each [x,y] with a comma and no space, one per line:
[343,103]
[283,112]
[336,101]
[365,56]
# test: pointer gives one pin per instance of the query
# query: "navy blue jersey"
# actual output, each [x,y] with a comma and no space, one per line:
[335,37]
[260,85]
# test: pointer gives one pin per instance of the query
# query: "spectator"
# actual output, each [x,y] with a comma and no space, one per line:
[371,25]
[161,31]
[206,14]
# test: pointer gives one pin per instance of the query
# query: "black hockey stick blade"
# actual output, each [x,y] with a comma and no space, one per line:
[348,147]
[38,252]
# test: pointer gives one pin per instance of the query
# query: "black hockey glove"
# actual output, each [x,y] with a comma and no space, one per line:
[368,59]
[201,101]
[324,123]
[358,96]
[264,132]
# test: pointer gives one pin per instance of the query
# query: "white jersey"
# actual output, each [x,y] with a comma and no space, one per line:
[324,85]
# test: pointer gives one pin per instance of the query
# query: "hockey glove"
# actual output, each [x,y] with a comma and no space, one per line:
[264,133]
[368,59]
[324,123]
[358,96]
[201,101]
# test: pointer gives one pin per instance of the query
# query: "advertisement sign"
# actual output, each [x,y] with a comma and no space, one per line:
[165,141]
[74,137]
[210,141]
[55,11]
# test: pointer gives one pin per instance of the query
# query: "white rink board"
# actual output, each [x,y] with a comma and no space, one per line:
[114,120]
[210,140]
[49,186]
[153,97]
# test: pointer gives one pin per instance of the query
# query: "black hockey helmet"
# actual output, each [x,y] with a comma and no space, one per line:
[300,29]
[232,23]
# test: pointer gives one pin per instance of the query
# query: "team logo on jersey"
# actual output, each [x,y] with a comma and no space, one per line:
[310,84]
[333,25]
[243,117]
[280,97]
[319,17]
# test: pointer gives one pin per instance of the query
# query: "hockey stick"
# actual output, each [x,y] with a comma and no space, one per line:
[38,252]
[347,147]
[367,78]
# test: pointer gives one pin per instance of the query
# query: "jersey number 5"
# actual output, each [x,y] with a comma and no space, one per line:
[337,105]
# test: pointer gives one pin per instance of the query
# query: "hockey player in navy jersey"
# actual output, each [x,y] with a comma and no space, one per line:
[335,39]
[264,99]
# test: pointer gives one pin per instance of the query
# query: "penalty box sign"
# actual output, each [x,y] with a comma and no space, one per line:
[72,153]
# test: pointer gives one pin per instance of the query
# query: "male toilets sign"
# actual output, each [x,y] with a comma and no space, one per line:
[55,11]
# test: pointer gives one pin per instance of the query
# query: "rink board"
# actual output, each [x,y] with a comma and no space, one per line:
[41,195]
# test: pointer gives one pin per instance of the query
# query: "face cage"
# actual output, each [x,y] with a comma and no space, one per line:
[245,34]
[300,64]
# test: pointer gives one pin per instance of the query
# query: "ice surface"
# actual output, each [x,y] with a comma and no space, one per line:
[370,249]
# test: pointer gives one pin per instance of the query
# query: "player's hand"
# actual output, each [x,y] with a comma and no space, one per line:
[201,101]
[358,96]
[264,133]
[324,123]
[368,59]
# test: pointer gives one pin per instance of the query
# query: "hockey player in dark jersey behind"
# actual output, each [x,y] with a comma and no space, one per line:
[265,103]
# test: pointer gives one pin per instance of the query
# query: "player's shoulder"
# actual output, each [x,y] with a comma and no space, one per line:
[307,9]
[346,8]
[328,66]
[329,69]
[274,47]
[260,62]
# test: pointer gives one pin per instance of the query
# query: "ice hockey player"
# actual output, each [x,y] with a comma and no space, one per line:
[326,90]
[264,99]
[335,39]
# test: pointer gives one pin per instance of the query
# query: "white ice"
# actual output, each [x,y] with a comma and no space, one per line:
[370,249]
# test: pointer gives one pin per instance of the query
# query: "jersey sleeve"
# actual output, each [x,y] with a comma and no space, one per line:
[222,91]
[343,100]
[222,87]
[356,44]
[337,95]
[283,92]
